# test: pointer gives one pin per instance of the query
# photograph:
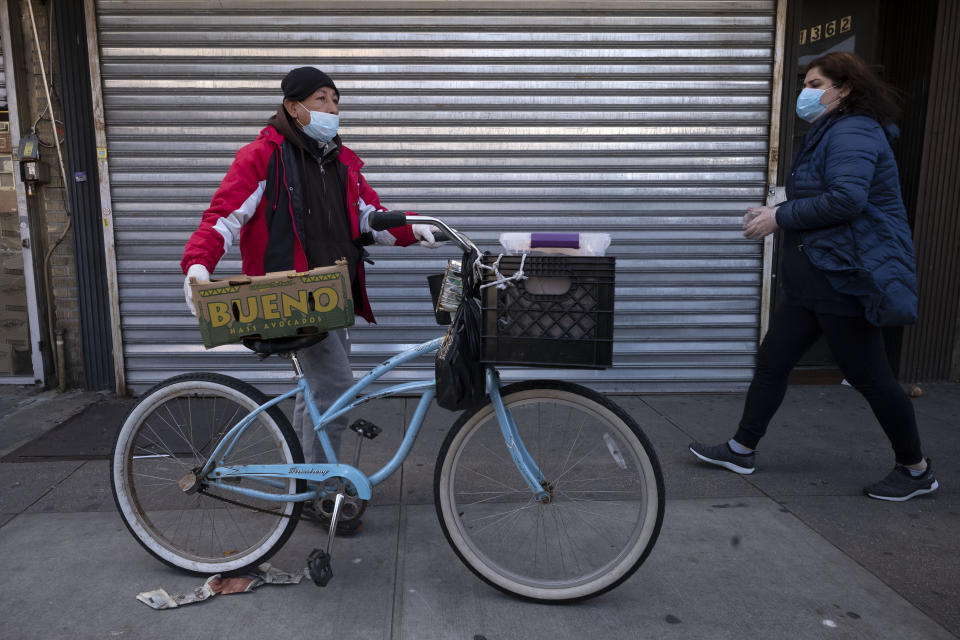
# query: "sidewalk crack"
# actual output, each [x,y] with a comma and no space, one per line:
[396,613]
[45,493]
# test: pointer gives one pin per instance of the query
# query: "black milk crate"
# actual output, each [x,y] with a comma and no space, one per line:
[561,316]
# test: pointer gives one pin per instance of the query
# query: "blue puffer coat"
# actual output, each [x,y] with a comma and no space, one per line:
[844,198]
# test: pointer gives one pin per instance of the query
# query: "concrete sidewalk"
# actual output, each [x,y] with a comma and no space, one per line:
[794,551]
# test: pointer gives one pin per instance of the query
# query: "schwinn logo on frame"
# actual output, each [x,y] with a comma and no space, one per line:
[319,472]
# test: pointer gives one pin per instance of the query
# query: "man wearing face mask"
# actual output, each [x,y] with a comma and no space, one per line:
[295,199]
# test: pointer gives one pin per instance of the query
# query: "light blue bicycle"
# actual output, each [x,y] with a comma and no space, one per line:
[547,490]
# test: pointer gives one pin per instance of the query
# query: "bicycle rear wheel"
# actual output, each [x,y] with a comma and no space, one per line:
[171,433]
[607,494]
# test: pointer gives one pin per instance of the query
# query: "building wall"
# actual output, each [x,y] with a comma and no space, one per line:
[14,327]
[52,197]
[932,346]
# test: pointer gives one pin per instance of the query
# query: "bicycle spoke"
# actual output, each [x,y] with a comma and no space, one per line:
[537,537]
[597,530]
[168,440]
[619,476]
[177,527]
[159,442]
[216,534]
[225,426]
[487,499]
[242,536]
[189,421]
[180,433]
[493,480]
[576,543]
[628,492]
[238,458]
[582,458]
[507,533]
[501,516]
[153,477]
[560,532]
[572,445]
[594,513]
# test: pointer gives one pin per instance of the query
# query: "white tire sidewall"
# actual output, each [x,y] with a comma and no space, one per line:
[120,471]
[623,566]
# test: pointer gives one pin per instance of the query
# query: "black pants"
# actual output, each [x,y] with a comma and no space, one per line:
[858,349]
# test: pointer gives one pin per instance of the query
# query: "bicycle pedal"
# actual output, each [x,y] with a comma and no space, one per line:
[318,566]
[366,428]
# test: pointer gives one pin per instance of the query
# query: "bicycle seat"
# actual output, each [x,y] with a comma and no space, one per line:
[270,346]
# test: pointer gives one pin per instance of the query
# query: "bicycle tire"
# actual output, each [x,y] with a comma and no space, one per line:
[477,487]
[170,432]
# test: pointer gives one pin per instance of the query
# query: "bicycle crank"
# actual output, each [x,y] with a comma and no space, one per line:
[352,507]
[318,562]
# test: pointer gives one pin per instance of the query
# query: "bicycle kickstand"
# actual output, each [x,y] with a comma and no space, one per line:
[318,562]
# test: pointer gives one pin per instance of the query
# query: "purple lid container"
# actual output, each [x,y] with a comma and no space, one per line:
[555,240]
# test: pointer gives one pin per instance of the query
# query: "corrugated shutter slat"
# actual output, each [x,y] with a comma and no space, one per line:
[649,123]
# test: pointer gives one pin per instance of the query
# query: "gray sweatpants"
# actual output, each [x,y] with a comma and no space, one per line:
[326,366]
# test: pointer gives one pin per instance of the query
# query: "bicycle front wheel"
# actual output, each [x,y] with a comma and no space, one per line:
[171,432]
[603,476]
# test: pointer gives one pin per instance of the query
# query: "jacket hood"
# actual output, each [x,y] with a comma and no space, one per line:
[281,122]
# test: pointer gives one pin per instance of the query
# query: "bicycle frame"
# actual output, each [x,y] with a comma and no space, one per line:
[278,475]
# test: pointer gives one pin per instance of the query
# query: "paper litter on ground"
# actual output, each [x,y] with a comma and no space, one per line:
[215,584]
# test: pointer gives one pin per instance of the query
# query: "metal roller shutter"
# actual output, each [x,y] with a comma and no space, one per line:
[648,122]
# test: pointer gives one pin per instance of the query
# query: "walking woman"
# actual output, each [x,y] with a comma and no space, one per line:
[848,268]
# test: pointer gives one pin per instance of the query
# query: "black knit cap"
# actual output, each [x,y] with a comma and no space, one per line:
[302,82]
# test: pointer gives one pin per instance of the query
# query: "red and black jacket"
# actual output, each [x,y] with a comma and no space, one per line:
[258,203]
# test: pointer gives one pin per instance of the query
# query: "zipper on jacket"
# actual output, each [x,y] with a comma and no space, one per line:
[276,188]
[289,199]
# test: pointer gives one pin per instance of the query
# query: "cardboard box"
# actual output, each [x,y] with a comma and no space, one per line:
[275,305]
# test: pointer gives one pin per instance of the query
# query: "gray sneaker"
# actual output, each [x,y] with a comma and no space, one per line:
[723,456]
[900,486]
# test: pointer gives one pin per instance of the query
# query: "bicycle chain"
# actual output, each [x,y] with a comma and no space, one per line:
[250,506]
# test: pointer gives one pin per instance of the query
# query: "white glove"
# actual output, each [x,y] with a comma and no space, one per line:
[199,272]
[424,233]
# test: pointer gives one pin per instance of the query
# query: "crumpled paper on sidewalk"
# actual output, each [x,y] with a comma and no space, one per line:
[265,574]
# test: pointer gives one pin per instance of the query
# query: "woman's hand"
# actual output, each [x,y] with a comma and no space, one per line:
[759,222]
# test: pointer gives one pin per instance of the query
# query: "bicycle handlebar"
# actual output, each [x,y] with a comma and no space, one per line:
[383,220]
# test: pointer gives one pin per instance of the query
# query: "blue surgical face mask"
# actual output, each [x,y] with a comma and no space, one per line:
[322,126]
[808,104]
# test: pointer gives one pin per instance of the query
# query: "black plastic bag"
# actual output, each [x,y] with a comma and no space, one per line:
[459,373]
